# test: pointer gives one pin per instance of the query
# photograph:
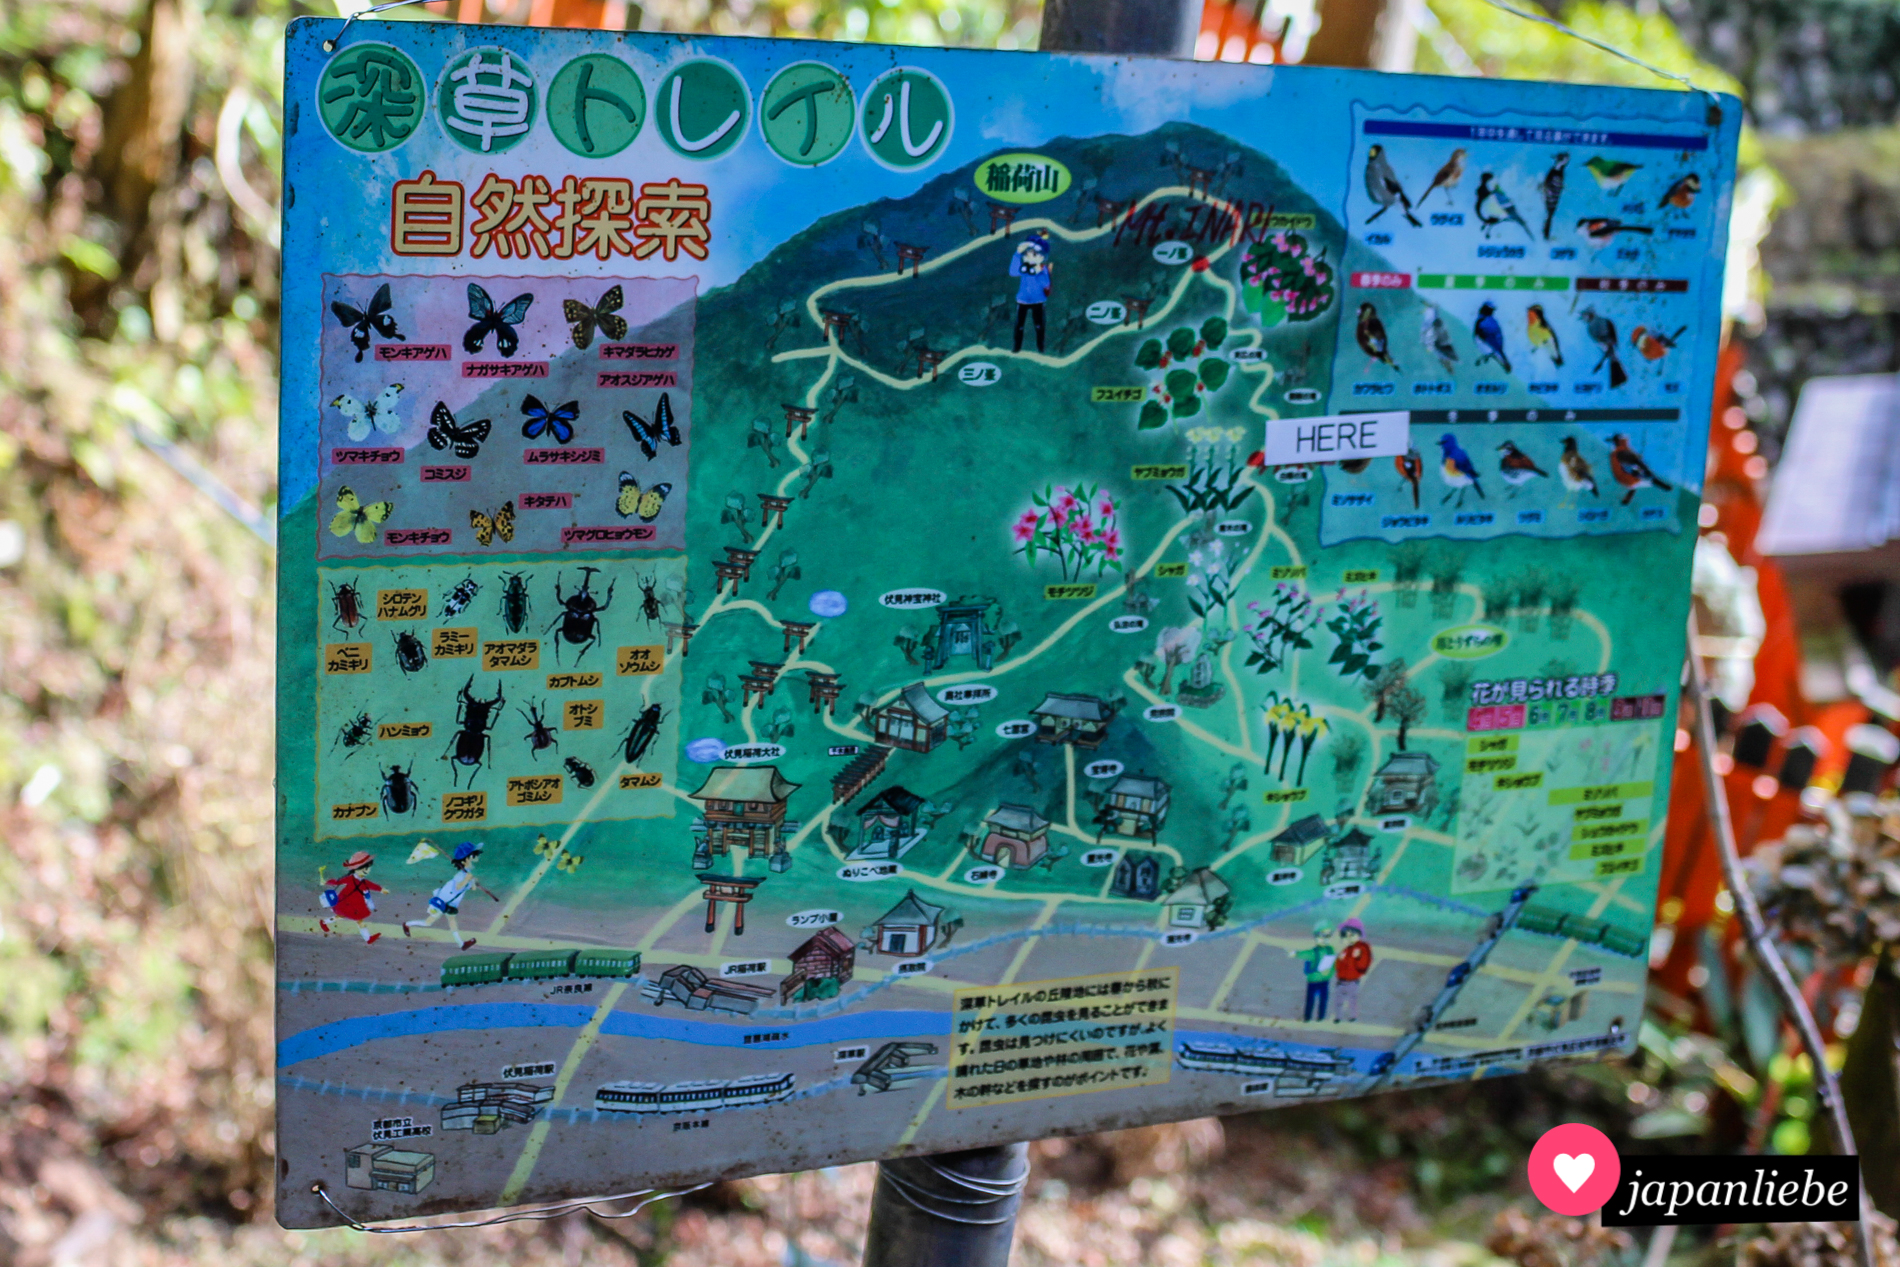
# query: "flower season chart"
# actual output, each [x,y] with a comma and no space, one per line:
[840,602]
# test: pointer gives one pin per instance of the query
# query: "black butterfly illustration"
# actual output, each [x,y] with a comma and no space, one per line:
[464,437]
[583,319]
[558,421]
[649,434]
[500,322]
[361,322]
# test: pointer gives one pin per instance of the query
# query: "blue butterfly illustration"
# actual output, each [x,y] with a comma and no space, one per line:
[541,420]
[501,322]
[650,434]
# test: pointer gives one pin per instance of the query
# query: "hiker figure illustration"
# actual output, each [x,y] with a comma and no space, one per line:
[1318,962]
[348,896]
[1355,961]
[447,900]
[1031,265]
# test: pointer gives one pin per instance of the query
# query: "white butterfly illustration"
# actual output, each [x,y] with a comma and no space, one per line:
[379,413]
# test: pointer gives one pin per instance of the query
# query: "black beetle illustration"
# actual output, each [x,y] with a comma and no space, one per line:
[514,602]
[474,718]
[580,615]
[460,597]
[411,657]
[582,772]
[645,729]
[649,600]
[353,734]
[348,601]
[540,735]
[400,793]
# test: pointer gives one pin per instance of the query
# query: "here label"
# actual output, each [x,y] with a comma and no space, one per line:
[1337,437]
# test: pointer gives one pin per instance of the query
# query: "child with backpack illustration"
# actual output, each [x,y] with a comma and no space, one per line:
[1354,962]
[447,900]
[348,896]
[1036,277]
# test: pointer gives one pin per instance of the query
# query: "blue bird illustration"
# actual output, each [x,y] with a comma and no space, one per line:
[1458,470]
[1487,331]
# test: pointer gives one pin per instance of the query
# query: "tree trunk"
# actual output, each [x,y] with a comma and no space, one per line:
[143,124]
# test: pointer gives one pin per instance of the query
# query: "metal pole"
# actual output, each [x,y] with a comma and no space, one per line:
[1159,28]
[959,1209]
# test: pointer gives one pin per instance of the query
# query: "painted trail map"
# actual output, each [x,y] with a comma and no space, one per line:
[840,601]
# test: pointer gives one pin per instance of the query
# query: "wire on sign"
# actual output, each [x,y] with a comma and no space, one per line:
[519,1216]
[329,46]
[1715,102]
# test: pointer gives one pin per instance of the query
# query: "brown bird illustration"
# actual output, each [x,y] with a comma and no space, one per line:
[1575,470]
[1654,344]
[1371,336]
[1411,467]
[1682,193]
[1448,176]
[1517,467]
[1627,465]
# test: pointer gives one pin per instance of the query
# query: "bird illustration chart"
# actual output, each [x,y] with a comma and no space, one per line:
[840,602]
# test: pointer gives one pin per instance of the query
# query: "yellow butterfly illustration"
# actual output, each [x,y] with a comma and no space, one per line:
[502,525]
[351,513]
[634,500]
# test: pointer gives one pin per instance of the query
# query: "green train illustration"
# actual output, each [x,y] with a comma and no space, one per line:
[1594,932]
[538,965]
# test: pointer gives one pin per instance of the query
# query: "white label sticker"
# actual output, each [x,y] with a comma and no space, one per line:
[1178,938]
[912,968]
[1128,624]
[1248,356]
[1285,875]
[1100,857]
[911,598]
[1104,769]
[862,872]
[745,968]
[1338,437]
[1340,892]
[960,696]
[1173,253]
[979,374]
[1233,527]
[982,875]
[850,1053]
[1162,712]
[1016,729]
[740,754]
[1106,312]
[813,919]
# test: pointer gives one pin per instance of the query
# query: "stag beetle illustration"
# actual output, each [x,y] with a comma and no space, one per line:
[474,718]
[649,597]
[580,615]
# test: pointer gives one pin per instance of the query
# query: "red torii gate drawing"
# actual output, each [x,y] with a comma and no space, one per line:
[798,416]
[911,255]
[824,691]
[1137,309]
[770,506]
[736,889]
[798,631]
[1002,217]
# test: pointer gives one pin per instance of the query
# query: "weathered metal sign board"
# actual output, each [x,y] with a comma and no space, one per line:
[839,601]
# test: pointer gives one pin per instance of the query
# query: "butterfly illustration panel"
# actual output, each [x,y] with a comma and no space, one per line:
[444,401]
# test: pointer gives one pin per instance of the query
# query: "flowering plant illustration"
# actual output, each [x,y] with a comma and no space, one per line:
[1279,630]
[1356,625]
[1281,281]
[1079,526]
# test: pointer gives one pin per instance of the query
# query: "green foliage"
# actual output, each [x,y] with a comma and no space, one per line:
[1181,343]
[1149,355]
[1214,333]
[1213,373]
[1153,414]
